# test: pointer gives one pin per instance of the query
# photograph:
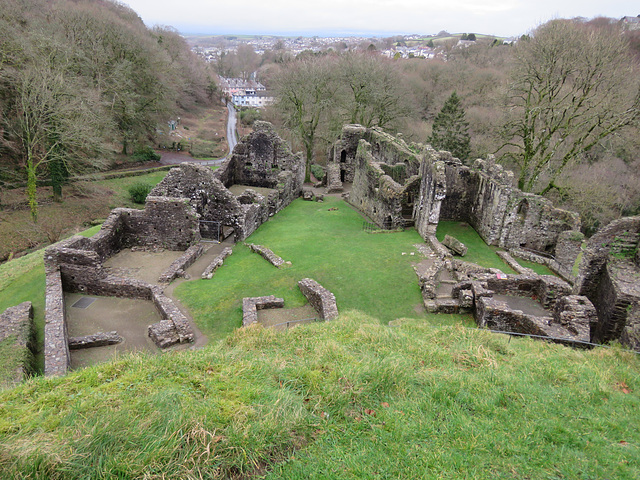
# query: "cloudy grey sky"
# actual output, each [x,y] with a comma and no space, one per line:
[374,17]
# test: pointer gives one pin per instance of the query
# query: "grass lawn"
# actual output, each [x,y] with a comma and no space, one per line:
[347,399]
[536,267]
[365,271]
[478,251]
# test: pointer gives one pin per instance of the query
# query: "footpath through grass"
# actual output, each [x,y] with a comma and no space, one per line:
[324,241]
[348,399]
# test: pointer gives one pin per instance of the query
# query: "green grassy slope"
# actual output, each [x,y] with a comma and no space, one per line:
[346,399]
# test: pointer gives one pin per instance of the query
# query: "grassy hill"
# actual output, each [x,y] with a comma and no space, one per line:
[346,399]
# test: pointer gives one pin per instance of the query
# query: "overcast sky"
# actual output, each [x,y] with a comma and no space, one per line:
[370,17]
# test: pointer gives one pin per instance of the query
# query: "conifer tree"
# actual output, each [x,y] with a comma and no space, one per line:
[451,130]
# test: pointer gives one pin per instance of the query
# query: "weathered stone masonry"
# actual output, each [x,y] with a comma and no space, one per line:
[16,325]
[261,159]
[610,277]
[76,265]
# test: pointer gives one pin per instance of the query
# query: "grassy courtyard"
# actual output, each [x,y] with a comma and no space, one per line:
[370,272]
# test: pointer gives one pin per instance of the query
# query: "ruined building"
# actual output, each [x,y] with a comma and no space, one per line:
[398,184]
[191,202]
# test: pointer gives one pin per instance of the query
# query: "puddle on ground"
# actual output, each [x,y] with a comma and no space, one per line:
[143,265]
[278,317]
[525,304]
[129,317]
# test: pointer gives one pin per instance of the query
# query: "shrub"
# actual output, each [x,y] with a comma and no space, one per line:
[248,115]
[139,191]
[317,171]
[144,153]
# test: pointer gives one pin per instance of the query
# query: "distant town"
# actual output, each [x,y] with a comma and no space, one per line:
[399,46]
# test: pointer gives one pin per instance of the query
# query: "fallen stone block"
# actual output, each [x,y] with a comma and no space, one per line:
[96,340]
[455,245]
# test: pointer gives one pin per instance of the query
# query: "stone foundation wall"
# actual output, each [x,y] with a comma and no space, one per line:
[170,313]
[546,289]
[179,265]
[568,322]
[251,305]
[16,326]
[217,263]
[268,255]
[322,300]
[56,338]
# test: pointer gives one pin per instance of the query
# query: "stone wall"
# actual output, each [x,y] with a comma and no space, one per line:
[216,263]
[56,343]
[569,322]
[546,289]
[260,159]
[211,200]
[251,305]
[377,194]
[342,157]
[268,255]
[263,159]
[484,197]
[16,326]
[608,276]
[179,265]
[322,300]
[433,190]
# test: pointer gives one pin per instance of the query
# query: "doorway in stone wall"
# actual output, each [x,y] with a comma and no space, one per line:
[211,231]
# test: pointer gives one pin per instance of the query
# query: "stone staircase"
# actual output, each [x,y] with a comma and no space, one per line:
[625,243]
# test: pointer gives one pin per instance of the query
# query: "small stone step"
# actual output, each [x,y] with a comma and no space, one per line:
[447,305]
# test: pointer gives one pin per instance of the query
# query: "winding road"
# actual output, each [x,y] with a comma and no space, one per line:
[174,158]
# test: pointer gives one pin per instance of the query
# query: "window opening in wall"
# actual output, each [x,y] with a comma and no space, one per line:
[343,156]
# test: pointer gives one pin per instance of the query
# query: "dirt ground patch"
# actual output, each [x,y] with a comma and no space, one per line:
[143,265]
[129,317]
[279,317]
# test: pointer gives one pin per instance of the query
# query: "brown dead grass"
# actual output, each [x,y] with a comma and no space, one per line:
[83,203]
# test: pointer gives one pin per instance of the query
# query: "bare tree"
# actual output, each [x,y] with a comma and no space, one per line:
[305,92]
[572,86]
[56,124]
[373,93]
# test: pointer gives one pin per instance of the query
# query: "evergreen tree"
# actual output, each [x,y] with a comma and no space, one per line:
[450,129]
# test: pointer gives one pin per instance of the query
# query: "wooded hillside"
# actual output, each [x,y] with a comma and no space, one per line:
[82,79]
